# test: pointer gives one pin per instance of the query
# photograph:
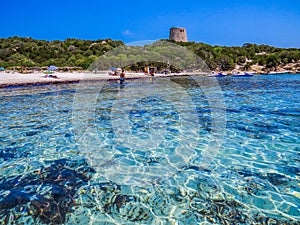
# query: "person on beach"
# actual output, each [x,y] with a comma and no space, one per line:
[122,77]
[152,72]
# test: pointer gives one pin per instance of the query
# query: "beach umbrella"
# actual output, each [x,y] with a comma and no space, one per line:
[52,68]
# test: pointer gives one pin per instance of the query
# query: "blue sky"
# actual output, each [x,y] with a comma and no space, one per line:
[215,22]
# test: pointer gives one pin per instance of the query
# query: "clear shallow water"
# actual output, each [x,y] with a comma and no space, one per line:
[77,155]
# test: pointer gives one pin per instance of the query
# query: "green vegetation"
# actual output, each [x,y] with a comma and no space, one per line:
[164,56]
[16,51]
[263,56]
[28,52]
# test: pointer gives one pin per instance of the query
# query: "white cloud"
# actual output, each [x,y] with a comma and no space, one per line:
[127,33]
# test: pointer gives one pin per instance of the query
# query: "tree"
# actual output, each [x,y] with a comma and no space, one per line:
[225,63]
[272,61]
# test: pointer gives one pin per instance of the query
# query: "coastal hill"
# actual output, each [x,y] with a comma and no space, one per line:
[18,53]
[28,52]
[249,57]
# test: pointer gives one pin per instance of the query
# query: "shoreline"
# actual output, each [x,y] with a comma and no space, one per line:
[8,79]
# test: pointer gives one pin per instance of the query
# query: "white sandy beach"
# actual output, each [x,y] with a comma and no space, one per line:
[16,79]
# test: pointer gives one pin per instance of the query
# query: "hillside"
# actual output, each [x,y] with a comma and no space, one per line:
[28,52]
[249,57]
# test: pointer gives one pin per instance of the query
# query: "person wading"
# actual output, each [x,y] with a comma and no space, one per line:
[122,77]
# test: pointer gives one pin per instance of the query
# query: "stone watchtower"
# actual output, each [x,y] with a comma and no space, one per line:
[178,34]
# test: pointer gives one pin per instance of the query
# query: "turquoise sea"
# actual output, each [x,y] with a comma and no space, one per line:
[152,151]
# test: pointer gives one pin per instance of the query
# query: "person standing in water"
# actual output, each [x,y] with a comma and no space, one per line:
[122,77]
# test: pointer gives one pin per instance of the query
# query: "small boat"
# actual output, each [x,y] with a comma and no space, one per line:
[213,74]
[245,74]
[278,72]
